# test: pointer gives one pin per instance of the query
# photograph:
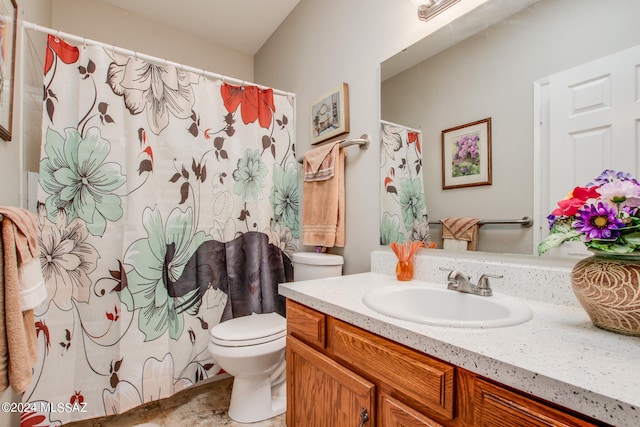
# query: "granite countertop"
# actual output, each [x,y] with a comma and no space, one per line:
[558,355]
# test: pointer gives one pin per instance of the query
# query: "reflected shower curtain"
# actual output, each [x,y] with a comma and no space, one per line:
[168,202]
[403,207]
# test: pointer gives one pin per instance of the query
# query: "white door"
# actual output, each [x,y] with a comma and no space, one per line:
[589,121]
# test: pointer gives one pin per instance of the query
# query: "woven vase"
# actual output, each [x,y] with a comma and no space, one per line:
[608,288]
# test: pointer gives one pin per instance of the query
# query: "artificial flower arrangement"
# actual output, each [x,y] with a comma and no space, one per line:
[604,214]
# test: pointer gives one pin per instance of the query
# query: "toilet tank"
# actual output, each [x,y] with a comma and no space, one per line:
[312,265]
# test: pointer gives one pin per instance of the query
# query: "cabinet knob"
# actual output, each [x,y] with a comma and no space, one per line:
[364,417]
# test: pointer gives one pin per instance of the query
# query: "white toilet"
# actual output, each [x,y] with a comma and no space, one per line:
[252,349]
[312,265]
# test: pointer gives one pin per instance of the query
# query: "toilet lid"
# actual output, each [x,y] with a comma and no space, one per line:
[249,330]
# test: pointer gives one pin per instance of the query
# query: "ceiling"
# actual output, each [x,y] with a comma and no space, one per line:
[243,25]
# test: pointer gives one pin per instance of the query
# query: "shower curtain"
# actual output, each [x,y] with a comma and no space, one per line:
[403,207]
[168,202]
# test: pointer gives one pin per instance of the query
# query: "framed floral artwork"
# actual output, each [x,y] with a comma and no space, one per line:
[330,114]
[466,155]
[8,19]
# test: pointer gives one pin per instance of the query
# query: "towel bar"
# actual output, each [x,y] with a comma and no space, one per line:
[363,142]
[525,222]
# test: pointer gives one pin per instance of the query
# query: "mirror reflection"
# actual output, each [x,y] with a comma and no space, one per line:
[492,73]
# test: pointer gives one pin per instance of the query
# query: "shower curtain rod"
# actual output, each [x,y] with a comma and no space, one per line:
[386,122]
[71,37]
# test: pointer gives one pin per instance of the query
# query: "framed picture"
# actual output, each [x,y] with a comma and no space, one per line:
[8,20]
[466,155]
[330,114]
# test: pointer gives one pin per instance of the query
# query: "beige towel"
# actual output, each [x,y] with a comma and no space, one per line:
[33,290]
[26,222]
[18,347]
[323,207]
[319,163]
[460,229]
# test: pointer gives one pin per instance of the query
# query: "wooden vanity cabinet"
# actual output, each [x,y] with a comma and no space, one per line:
[336,370]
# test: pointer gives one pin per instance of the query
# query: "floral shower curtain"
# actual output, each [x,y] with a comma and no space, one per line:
[168,202]
[403,206]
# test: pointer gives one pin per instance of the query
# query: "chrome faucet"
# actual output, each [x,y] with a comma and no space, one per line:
[460,282]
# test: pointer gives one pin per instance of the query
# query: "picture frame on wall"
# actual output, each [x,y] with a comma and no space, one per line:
[330,114]
[466,155]
[8,20]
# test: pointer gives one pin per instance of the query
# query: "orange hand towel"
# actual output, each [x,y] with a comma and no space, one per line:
[323,207]
[461,229]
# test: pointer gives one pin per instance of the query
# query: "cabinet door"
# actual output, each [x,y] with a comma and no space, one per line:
[499,407]
[393,413]
[323,393]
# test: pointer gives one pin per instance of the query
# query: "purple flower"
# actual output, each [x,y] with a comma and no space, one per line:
[609,175]
[466,147]
[598,222]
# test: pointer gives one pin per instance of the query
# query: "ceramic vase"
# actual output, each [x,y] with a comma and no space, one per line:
[608,288]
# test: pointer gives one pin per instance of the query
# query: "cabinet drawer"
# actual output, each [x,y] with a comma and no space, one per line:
[306,324]
[393,413]
[423,379]
[497,406]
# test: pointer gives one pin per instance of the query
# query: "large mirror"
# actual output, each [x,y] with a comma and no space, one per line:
[490,72]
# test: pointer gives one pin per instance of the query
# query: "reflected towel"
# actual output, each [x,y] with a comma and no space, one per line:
[460,233]
[323,207]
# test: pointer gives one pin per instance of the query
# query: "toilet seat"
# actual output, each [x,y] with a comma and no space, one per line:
[249,330]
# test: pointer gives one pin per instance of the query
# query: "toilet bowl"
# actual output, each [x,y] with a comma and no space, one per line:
[252,349]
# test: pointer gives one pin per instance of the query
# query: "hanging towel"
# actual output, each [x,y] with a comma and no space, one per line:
[18,341]
[460,233]
[25,221]
[323,205]
[319,163]
[32,286]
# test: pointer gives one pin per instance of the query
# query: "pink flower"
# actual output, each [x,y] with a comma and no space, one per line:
[575,200]
[622,193]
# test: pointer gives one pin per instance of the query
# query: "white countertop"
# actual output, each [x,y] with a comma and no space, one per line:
[558,355]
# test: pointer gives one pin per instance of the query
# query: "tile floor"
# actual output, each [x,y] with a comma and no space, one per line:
[199,406]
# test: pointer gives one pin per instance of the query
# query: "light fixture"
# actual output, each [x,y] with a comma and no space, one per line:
[427,9]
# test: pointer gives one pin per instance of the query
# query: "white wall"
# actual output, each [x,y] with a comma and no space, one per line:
[11,153]
[324,43]
[491,75]
[107,24]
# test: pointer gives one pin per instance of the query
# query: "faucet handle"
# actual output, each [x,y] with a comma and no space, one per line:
[454,273]
[483,283]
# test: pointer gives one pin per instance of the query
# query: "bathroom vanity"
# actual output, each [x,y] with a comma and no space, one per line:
[347,363]
[388,384]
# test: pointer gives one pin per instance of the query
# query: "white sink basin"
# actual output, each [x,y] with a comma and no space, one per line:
[436,305]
